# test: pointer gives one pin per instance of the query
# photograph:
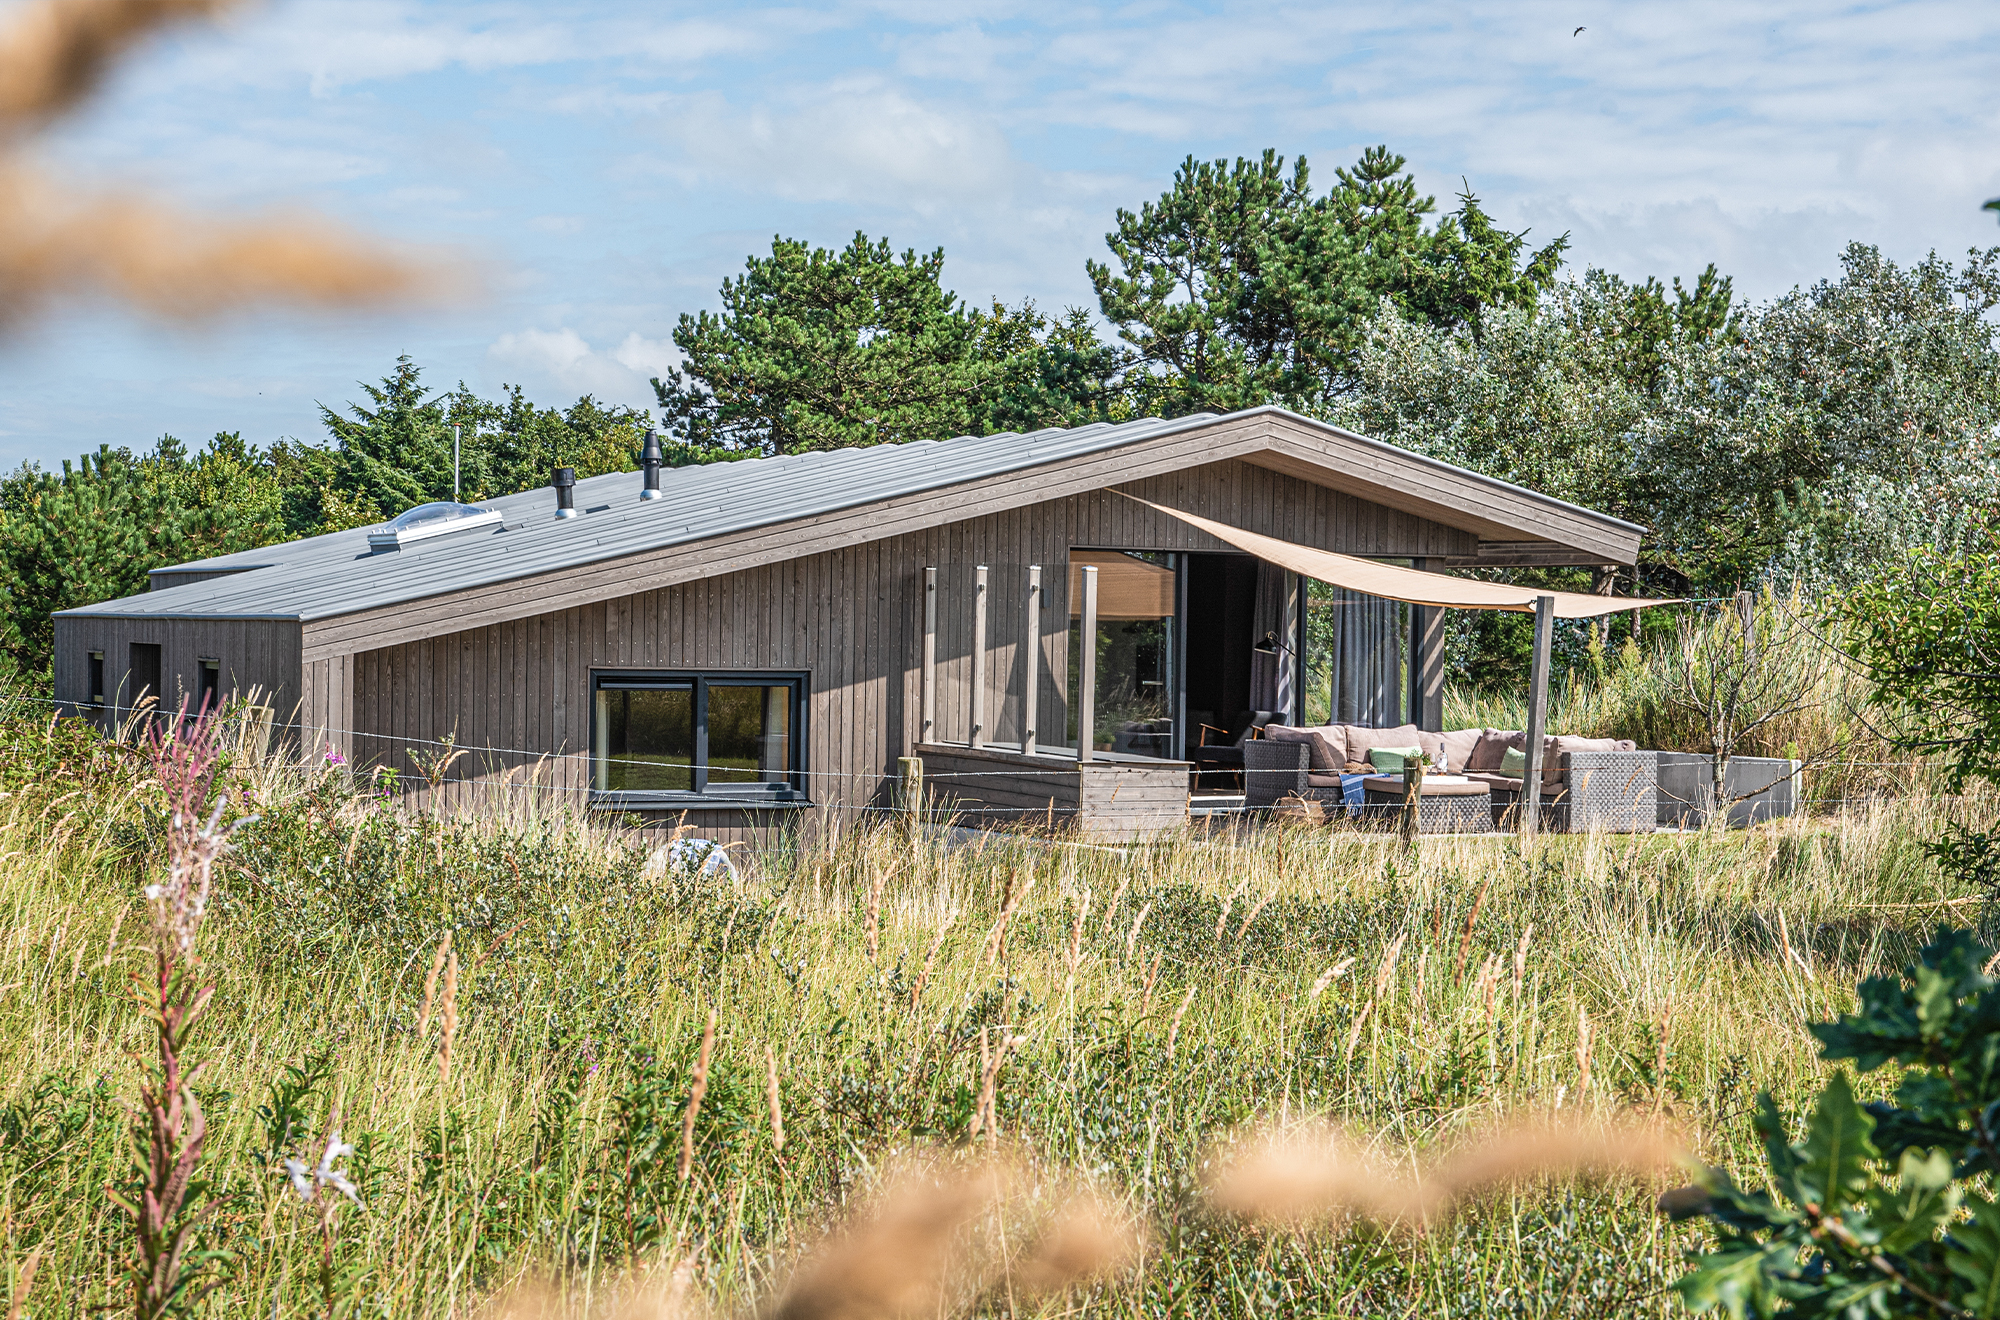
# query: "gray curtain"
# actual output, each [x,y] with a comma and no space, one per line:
[1272,676]
[1360,639]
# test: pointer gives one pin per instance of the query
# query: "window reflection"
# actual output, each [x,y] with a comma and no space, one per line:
[645,739]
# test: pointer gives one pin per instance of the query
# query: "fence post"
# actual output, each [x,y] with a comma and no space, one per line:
[976,735]
[929,730]
[1413,802]
[1031,652]
[910,777]
[1086,671]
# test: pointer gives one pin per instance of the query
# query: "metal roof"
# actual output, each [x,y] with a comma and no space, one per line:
[326,576]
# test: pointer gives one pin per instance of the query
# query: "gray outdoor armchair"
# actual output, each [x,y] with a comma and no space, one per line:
[1275,770]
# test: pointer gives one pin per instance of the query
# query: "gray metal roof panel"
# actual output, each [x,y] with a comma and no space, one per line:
[335,574]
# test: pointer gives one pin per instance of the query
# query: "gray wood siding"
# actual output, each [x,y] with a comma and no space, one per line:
[260,658]
[515,694]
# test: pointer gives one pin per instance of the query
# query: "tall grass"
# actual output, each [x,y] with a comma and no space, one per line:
[1278,977]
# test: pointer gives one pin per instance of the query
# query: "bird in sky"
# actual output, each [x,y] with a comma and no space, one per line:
[1577,33]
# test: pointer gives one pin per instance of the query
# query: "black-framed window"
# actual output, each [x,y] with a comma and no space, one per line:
[668,736]
[97,678]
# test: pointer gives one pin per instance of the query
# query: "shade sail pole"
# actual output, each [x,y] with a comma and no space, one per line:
[1031,658]
[929,730]
[1086,671]
[1538,715]
[976,736]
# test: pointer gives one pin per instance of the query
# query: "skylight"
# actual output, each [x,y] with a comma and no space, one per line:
[428,520]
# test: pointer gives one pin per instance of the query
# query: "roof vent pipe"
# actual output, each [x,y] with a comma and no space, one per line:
[650,459]
[565,484]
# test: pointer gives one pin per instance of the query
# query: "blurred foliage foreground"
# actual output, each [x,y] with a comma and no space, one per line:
[516,1102]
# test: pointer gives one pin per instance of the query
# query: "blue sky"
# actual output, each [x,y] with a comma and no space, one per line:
[607,165]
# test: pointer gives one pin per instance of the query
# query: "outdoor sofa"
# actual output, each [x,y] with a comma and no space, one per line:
[1587,783]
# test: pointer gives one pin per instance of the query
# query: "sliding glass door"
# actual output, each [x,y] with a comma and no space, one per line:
[1356,659]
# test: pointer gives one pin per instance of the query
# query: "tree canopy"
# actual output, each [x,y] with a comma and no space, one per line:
[1240,287]
[1812,437]
[823,349]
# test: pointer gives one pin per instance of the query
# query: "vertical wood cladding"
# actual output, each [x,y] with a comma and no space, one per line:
[259,659]
[515,695]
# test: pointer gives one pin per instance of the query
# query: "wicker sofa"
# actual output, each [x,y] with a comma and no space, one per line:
[1587,784]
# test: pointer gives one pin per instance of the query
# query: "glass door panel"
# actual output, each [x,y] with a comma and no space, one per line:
[1137,683]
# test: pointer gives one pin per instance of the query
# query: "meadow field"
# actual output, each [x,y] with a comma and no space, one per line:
[1107,1022]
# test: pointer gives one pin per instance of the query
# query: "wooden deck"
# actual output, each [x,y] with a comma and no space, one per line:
[1112,799]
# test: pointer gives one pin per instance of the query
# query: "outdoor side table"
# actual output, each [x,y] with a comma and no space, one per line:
[1448,804]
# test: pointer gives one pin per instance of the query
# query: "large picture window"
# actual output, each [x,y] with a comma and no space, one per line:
[663,737]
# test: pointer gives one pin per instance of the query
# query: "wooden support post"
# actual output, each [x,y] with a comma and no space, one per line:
[1538,714]
[910,775]
[1086,670]
[928,731]
[976,734]
[1031,658]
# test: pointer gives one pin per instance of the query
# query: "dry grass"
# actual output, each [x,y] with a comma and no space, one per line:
[1302,1177]
[59,241]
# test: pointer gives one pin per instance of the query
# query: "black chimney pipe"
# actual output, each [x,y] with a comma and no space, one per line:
[565,484]
[650,459]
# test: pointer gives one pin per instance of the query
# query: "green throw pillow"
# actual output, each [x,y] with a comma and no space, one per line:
[1389,760]
[1514,763]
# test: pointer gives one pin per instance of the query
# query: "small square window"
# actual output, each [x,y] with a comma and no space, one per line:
[663,737]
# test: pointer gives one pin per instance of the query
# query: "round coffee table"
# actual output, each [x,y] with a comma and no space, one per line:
[1447,804]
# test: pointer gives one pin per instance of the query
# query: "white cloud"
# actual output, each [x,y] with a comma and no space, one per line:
[862,143]
[565,360]
[649,357]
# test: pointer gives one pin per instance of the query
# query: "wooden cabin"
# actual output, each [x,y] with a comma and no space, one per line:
[754,645]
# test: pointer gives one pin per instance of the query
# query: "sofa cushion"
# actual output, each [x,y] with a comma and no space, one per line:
[1491,746]
[1323,779]
[1361,740]
[1326,755]
[1457,745]
[1391,760]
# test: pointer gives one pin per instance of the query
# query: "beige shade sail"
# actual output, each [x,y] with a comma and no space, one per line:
[1406,584]
[1127,588]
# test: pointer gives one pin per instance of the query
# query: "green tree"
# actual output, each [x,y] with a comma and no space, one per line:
[1810,438]
[1839,424]
[1240,287]
[395,451]
[1052,372]
[1928,630]
[823,349]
